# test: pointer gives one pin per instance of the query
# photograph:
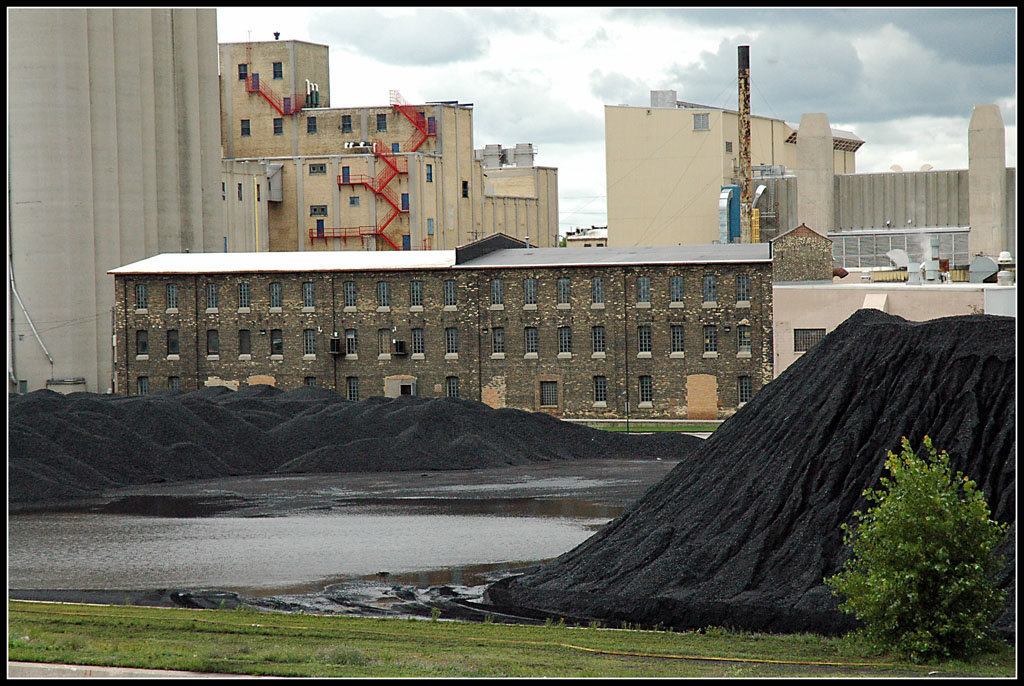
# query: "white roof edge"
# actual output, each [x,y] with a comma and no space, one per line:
[223,263]
[531,265]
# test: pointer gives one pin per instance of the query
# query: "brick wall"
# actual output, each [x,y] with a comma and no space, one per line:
[802,255]
[512,379]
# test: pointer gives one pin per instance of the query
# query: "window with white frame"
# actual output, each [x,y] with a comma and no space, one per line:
[349,288]
[243,294]
[172,296]
[701,121]
[211,296]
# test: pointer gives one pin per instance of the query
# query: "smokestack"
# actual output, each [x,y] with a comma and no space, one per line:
[744,134]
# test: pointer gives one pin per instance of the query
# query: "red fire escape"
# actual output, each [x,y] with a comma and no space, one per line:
[253,84]
[392,167]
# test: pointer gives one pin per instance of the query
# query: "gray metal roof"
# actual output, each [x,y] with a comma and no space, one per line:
[633,255]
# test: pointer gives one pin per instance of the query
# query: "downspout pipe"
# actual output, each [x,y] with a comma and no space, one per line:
[14,289]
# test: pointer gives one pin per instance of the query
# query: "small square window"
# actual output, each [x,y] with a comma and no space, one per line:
[318,168]
[700,122]
[549,394]
[318,210]
[353,201]
[805,339]
[728,146]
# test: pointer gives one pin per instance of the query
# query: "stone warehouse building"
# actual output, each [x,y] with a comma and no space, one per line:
[678,331]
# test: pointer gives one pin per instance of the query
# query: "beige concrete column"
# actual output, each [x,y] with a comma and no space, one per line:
[208,145]
[986,169]
[815,173]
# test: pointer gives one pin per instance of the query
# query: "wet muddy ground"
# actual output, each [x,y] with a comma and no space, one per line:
[399,543]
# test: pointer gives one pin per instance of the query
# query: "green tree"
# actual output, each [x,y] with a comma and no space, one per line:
[921,574]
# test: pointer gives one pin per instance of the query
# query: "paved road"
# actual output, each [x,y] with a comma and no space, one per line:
[39,670]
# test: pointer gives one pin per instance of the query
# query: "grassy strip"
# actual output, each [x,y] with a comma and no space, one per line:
[246,642]
[640,428]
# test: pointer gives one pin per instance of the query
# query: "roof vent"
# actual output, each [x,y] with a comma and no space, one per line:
[982,269]
[1004,258]
[1004,278]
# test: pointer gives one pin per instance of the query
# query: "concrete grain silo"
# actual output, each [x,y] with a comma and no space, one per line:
[113,156]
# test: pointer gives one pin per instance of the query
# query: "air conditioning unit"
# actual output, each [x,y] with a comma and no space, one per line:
[398,348]
[335,346]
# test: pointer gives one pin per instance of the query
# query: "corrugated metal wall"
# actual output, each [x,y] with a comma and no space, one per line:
[904,199]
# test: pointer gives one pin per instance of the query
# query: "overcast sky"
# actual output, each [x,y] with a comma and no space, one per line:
[905,80]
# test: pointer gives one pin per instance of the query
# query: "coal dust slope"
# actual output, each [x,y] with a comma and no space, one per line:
[742,533]
[63,447]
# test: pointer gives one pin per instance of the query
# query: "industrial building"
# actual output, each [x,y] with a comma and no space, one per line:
[682,331]
[391,177]
[113,156]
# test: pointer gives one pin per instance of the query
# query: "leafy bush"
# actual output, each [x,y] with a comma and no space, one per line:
[921,574]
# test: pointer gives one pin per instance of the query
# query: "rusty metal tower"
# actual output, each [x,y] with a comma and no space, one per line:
[744,135]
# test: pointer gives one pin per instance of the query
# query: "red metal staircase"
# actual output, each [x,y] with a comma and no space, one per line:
[286,105]
[423,127]
[392,166]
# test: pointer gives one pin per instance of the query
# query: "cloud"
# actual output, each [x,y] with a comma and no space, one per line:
[617,89]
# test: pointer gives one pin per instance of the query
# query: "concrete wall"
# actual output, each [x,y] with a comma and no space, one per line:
[246,225]
[113,157]
[826,306]
[903,199]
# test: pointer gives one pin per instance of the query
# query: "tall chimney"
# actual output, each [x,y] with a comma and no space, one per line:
[744,134]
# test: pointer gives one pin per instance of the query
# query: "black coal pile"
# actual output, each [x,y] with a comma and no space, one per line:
[69,446]
[742,534]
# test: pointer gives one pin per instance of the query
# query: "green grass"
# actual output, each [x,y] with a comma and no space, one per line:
[640,428]
[247,642]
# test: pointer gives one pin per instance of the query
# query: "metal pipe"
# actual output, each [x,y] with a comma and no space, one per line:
[744,135]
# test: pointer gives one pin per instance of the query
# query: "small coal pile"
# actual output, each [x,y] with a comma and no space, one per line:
[64,447]
[743,533]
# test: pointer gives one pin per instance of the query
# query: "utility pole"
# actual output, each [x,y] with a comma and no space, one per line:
[744,135]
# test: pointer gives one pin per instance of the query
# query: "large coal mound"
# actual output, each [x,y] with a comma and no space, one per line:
[742,534]
[63,447]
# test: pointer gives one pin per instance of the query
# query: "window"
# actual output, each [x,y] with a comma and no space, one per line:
[257,192]
[346,123]
[744,390]
[141,296]
[643,289]
[239,192]
[345,174]
[597,338]
[465,189]
[530,338]
[497,292]
[383,341]
[382,122]
[710,288]
[711,338]
[600,389]
[430,227]
[677,338]
[396,147]
[728,146]
[563,291]
[172,296]
[143,385]
[245,127]
[450,299]
[309,381]
[416,294]
[431,125]
[451,386]
[318,168]
[142,342]
[276,342]
[498,339]
[318,210]
[211,296]
[677,289]
[700,122]
[278,71]
[351,342]
[405,202]
[564,339]
[646,387]
[742,287]
[430,173]
[278,126]
[244,342]
[243,71]
[172,342]
[743,338]
[643,338]
[383,294]
[530,291]
[597,290]
[275,294]
[212,342]
[451,340]
[805,339]
[308,294]
[549,394]
[349,288]
[223,191]
[243,294]
[309,342]
[418,348]
[174,383]
[352,384]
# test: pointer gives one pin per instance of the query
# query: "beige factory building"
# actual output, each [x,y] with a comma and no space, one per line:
[668,162]
[388,177]
[113,156]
